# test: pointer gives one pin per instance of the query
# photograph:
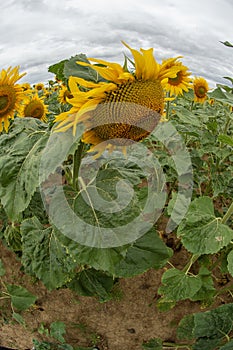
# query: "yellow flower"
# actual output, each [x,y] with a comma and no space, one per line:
[11,95]
[26,86]
[200,87]
[126,106]
[39,86]
[175,85]
[34,107]
[64,94]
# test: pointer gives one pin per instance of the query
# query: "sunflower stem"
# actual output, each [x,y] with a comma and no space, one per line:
[167,106]
[228,214]
[76,164]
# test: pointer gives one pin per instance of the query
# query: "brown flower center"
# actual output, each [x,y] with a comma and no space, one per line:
[130,112]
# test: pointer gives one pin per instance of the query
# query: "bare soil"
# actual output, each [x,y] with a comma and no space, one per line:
[123,323]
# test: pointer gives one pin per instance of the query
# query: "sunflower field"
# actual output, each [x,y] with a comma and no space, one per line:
[109,171]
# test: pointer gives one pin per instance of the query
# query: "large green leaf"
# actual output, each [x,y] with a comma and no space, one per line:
[72,68]
[21,298]
[92,283]
[177,285]
[201,232]
[21,151]
[147,252]
[207,290]
[222,96]
[57,330]
[44,255]
[227,346]
[209,329]
[58,147]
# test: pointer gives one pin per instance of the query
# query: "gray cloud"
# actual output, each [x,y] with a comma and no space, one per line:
[40,33]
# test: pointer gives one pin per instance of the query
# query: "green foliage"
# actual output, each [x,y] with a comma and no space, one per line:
[21,298]
[109,195]
[202,232]
[209,329]
[92,283]
[67,68]
[177,285]
[20,152]
[44,255]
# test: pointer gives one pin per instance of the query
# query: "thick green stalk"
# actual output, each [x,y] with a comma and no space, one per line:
[76,164]
[228,214]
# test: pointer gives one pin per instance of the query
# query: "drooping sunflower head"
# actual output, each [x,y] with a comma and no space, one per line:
[200,87]
[11,95]
[122,106]
[175,85]
[34,107]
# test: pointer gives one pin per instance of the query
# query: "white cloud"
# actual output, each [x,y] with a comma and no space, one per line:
[40,33]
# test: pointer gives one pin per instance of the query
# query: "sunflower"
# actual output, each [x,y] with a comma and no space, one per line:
[26,86]
[11,95]
[64,94]
[34,107]
[39,86]
[181,82]
[200,87]
[125,106]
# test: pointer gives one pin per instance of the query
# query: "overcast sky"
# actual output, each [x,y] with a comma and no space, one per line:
[38,33]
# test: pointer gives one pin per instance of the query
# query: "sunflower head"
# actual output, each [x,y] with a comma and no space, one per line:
[34,107]
[64,95]
[124,106]
[200,87]
[39,86]
[178,76]
[11,95]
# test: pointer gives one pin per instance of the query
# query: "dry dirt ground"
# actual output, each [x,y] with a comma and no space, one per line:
[120,324]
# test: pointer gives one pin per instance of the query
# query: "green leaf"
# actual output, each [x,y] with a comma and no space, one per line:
[2,269]
[221,96]
[153,344]
[201,232]
[57,149]
[185,328]
[207,290]
[58,69]
[187,117]
[44,255]
[147,252]
[226,139]
[214,325]
[227,346]
[72,68]
[177,285]
[92,283]
[226,43]
[57,330]
[209,329]
[21,151]
[13,237]
[18,318]
[21,298]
